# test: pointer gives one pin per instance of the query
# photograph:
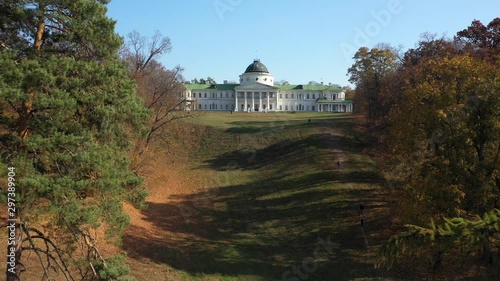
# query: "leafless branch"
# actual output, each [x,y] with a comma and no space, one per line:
[50,248]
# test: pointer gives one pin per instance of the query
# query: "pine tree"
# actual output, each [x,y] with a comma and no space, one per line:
[68,113]
[474,235]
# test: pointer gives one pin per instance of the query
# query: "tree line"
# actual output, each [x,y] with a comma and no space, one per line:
[436,110]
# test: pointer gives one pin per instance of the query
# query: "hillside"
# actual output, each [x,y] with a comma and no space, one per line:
[261,197]
[258,197]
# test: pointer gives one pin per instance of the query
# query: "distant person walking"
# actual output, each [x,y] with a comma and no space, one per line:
[309,120]
[361,214]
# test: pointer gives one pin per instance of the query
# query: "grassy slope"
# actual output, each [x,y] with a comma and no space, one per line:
[247,196]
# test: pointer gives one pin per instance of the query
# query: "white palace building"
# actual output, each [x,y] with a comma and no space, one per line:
[257,93]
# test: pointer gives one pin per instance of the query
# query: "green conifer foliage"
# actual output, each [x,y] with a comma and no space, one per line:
[68,115]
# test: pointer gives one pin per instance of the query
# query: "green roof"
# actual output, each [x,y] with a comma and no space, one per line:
[223,87]
[308,88]
[228,87]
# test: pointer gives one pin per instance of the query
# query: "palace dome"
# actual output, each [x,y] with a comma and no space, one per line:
[256,66]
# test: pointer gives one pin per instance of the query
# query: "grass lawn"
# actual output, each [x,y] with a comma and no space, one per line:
[259,196]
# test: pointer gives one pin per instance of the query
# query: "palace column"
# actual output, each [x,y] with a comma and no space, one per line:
[268,94]
[236,101]
[260,101]
[253,101]
[245,95]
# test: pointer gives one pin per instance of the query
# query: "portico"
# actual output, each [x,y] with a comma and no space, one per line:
[255,97]
[334,106]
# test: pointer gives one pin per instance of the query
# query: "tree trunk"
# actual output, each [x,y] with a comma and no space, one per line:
[40,29]
[27,107]
[25,115]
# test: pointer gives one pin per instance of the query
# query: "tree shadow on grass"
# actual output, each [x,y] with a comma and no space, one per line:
[266,228]
[296,219]
[283,124]
[287,151]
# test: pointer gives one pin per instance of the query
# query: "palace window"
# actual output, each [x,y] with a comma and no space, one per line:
[308,96]
[227,106]
[313,108]
[286,107]
[281,107]
[281,96]
[220,95]
[292,98]
[199,95]
[314,96]
[227,95]
[205,106]
[286,96]
[199,106]
[205,94]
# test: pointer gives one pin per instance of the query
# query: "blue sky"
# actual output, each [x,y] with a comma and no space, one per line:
[298,40]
